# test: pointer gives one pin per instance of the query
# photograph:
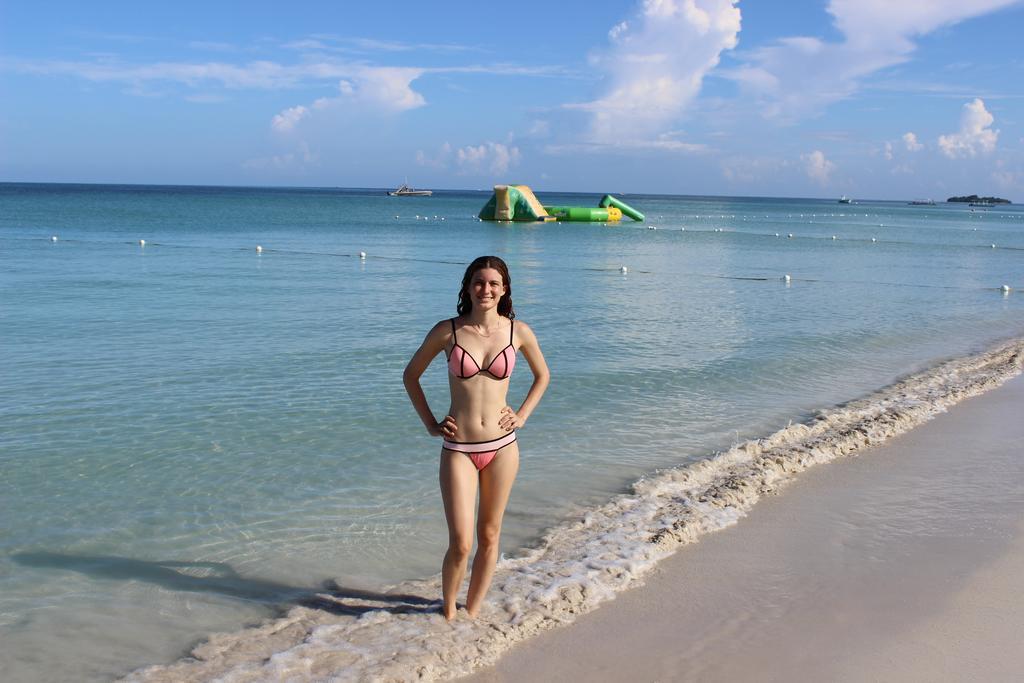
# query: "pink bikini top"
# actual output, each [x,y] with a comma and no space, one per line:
[463,365]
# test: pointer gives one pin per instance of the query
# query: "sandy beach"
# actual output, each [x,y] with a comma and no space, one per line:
[904,563]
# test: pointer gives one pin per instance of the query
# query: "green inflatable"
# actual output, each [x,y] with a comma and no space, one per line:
[582,214]
[513,203]
[622,206]
[518,203]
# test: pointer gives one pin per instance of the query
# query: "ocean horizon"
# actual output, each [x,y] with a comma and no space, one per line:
[463,190]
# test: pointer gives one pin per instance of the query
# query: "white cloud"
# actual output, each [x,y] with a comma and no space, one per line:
[975,135]
[910,140]
[297,160]
[396,46]
[888,151]
[253,75]
[493,157]
[361,87]
[656,65]
[385,90]
[618,30]
[388,88]
[539,128]
[306,44]
[800,76]
[665,142]
[369,89]
[439,160]
[287,119]
[751,170]
[818,168]
[1008,179]
[265,75]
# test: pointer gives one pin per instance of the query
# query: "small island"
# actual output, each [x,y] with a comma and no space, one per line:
[975,199]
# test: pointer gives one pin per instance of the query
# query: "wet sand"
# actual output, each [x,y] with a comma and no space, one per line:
[903,563]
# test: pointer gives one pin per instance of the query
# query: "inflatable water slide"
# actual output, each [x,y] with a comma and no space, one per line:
[518,203]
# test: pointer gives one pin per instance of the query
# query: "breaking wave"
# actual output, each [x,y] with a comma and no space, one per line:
[400,635]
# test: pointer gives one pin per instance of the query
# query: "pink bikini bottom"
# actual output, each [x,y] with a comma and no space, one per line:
[480,452]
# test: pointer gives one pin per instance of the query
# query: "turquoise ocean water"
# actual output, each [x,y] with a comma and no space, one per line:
[192,433]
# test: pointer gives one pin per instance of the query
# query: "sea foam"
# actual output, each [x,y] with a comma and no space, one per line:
[400,636]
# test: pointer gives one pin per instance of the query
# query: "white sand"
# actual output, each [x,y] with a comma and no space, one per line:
[905,563]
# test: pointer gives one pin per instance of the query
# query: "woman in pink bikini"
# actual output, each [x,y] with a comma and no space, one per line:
[479,450]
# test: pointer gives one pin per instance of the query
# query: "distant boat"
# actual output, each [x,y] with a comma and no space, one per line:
[983,204]
[922,202]
[405,191]
[845,200]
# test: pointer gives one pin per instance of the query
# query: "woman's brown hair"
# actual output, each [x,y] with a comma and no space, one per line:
[504,304]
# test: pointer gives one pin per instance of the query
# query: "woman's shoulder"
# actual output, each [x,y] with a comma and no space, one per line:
[521,328]
[444,326]
[441,332]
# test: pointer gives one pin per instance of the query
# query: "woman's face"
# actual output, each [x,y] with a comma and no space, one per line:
[486,288]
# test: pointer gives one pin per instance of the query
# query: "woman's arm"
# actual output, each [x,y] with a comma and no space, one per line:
[432,345]
[541,377]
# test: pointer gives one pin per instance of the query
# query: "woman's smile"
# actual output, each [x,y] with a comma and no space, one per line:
[488,286]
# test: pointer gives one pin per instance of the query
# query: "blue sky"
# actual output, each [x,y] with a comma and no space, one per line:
[868,98]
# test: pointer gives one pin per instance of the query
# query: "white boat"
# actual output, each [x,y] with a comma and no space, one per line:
[845,200]
[405,191]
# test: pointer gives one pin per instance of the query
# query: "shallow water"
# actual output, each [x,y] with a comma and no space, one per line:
[194,432]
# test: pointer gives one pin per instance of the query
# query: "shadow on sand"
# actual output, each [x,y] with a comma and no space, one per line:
[220,578]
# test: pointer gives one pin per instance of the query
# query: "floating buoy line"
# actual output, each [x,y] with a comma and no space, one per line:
[362,256]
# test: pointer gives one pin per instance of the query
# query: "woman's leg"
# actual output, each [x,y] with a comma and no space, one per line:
[495,486]
[458,491]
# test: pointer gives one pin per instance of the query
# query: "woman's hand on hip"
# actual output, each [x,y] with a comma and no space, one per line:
[510,419]
[446,428]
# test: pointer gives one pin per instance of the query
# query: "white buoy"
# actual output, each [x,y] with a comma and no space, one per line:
[786,278]
[682,229]
[873,239]
[362,255]
[142,243]
[623,270]
[396,217]
[652,227]
[790,235]
[993,246]
[1005,289]
[833,237]
[259,249]
[776,234]
[53,239]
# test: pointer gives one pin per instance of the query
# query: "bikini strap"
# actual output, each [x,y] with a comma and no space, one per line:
[511,331]
[454,338]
